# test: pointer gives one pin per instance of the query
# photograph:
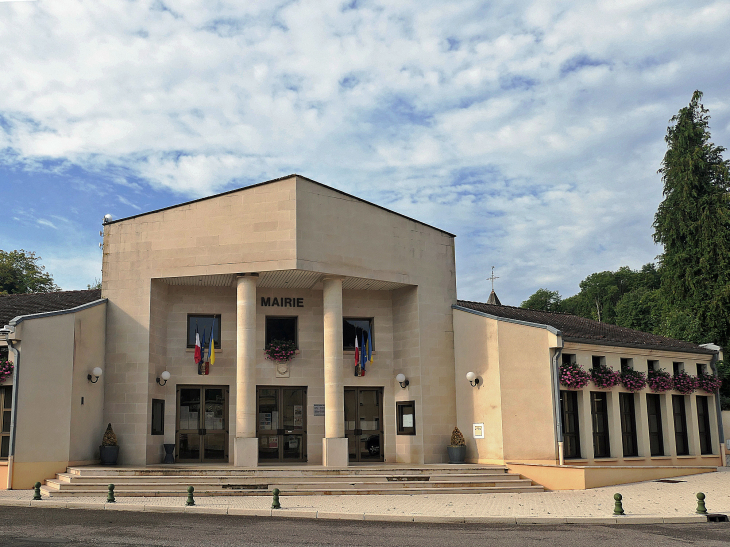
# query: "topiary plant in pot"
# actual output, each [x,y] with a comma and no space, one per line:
[109,449]
[457,448]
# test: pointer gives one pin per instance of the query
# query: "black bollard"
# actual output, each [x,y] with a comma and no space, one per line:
[275,503]
[190,501]
[37,491]
[701,509]
[618,508]
[110,494]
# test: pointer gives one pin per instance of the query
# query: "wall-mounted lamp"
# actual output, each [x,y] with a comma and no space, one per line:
[473,380]
[401,379]
[165,377]
[94,374]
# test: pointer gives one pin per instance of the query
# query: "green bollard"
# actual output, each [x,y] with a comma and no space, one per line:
[275,504]
[618,508]
[37,491]
[110,494]
[190,501]
[701,504]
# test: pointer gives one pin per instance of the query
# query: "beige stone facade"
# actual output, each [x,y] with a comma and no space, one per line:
[294,233]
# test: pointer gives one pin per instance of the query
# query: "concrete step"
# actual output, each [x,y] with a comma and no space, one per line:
[226,479]
[59,486]
[177,470]
[312,492]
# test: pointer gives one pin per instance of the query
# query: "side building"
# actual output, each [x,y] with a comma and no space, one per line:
[603,435]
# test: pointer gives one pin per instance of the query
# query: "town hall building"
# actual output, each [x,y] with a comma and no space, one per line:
[364,301]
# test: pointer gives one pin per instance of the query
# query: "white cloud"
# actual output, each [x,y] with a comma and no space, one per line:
[533,130]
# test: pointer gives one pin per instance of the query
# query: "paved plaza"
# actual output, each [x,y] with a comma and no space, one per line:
[645,502]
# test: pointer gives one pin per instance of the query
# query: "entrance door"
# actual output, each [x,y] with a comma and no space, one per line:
[282,424]
[202,424]
[364,423]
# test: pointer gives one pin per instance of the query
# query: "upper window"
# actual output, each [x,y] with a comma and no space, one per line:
[598,360]
[701,368]
[627,364]
[677,367]
[652,365]
[357,327]
[205,324]
[281,328]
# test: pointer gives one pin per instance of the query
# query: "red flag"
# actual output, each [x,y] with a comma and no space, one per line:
[198,353]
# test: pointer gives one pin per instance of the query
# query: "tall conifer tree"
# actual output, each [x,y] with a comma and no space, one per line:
[693,225]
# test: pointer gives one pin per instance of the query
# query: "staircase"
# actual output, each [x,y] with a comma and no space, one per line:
[294,481]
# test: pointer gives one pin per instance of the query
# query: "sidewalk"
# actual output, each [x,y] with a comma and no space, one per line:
[643,503]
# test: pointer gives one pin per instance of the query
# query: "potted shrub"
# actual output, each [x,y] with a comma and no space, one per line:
[457,448]
[109,449]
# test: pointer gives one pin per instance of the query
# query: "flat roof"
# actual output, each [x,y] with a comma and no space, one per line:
[277,180]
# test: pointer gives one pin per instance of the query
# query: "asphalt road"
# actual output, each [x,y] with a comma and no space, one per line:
[26,526]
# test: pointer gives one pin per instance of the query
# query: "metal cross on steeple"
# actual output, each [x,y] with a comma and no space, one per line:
[492,278]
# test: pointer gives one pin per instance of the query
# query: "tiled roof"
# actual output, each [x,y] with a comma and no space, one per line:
[580,329]
[13,305]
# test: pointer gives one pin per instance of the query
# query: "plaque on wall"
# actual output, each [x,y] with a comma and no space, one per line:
[319,410]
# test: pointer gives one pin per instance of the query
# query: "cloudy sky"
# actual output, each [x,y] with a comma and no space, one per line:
[531,130]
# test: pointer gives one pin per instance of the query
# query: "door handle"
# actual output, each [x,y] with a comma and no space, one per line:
[292,431]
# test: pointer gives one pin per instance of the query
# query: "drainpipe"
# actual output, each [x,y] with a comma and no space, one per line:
[13,412]
[718,406]
[556,404]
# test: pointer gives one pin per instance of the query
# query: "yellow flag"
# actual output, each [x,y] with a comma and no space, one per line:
[212,351]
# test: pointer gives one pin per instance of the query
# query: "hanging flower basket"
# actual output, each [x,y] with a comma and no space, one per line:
[281,351]
[708,382]
[573,376]
[659,381]
[684,383]
[633,380]
[604,377]
[6,369]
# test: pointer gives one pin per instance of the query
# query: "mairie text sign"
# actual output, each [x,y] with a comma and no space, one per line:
[282,302]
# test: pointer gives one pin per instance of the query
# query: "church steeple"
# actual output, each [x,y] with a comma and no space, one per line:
[493,295]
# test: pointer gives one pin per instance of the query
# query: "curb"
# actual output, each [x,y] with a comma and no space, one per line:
[379,517]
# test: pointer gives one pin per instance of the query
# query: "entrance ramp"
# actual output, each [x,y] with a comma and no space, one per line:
[226,480]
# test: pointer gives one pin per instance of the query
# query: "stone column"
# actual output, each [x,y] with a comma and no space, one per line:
[334,444]
[615,433]
[245,447]
[585,424]
[642,425]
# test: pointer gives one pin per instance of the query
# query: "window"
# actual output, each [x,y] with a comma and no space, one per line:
[356,327]
[6,398]
[158,417]
[680,425]
[677,367]
[599,413]
[654,412]
[627,364]
[406,413]
[204,324]
[701,368]
[281,328]
[652,365]
[703,423]
[568,358]
[598,361]
[571,430]
[628,424]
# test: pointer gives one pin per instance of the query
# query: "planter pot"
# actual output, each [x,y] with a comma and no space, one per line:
[169,453]
[456,454]
[108,455]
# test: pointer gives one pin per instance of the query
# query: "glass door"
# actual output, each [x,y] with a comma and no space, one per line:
[282,424]
[364,424]
[202,424]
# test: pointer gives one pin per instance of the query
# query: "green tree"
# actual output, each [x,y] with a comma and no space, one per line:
[21,272]
[543,300]
[693,225]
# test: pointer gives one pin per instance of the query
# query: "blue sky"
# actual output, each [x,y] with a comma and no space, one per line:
[531,130]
